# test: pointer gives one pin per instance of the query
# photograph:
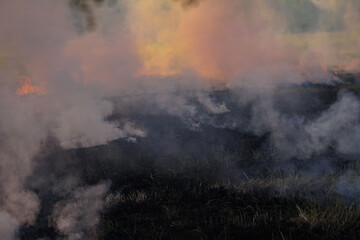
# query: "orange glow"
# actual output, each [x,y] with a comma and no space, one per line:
[28,88]
[325,70]
[171,39]
[353,65]
[213,39]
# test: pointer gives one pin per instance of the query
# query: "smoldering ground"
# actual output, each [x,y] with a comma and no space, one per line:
[94,91]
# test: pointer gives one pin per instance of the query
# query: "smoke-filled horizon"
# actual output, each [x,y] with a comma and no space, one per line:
[66,67]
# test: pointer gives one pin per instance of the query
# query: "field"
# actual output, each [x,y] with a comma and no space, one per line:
[212,198]
[179,119]
[213,184]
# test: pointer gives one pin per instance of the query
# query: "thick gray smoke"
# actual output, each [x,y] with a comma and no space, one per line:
[33,43]
[8,226]
[77,217]
[296,136]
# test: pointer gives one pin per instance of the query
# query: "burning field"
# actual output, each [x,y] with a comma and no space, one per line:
[179,119]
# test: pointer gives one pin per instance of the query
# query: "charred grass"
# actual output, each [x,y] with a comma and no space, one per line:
[221,195]
[166,206]
[219,185]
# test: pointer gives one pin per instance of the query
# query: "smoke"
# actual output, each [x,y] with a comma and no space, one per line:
[338,125]
[8,226]
[208,39]
[77,217]
[86,8]
[34,42]
[348,186]
[103,65]
[301,137]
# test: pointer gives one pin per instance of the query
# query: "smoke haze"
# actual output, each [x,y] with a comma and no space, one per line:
[83,73]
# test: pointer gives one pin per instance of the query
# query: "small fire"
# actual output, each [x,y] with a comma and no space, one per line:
[325,70]
[28,88]
[354,65]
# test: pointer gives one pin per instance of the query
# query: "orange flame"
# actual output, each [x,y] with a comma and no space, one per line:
[354,65]
[212,39]
[325,70]
[28,88]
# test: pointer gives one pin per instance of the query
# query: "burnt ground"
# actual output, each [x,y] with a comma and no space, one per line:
[217,183]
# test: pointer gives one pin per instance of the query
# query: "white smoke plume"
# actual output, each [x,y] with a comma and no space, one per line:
[77,217]
[8,226]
